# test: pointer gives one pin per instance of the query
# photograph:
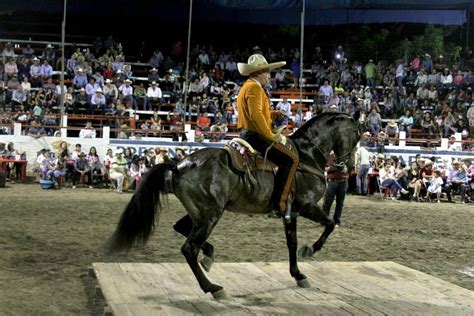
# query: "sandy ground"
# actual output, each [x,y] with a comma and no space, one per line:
[48,239]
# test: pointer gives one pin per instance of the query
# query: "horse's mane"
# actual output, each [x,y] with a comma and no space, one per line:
[326,118]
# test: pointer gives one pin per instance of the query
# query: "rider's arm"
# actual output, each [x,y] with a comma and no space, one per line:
[261,123]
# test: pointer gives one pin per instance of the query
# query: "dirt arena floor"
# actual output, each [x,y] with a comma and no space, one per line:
[48,239]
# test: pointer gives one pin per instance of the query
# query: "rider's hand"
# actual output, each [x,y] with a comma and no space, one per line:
[281,139]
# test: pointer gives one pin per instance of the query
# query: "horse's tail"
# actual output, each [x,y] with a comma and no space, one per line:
[138,220]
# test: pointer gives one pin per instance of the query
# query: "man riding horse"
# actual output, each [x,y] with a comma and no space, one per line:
[255,123]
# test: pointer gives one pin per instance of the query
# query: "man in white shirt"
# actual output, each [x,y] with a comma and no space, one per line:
[153,94]
[362,161]
[126,93]
[284,107]
[87,132]
[453,145]
[97,102]
[110,91]
[203,58]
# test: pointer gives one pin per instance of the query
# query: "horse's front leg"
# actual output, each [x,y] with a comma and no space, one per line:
[315,213]
[292,243]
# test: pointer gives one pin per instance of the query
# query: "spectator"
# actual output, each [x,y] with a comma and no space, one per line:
[19,99]
[36,130]
[362,163]
[392,129]
[456,178]
[449,124]
[406,123]
[153,76]
[46,70]
[336,189]
[110,92]
[82,101]
[82,170]
[453,144]
[427,63]
[126,93]
[153,95]
[80,79]
[428,126]
[98,102]
[35,73]
[8,52]
[88,131]
[374,121]
[387,180]
[284,108]
[94,162]
[10,68]
[435,187]
[369,70]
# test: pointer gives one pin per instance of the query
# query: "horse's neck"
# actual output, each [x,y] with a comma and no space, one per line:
[313,152]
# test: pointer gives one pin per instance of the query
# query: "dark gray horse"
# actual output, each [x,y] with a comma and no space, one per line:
[207,185]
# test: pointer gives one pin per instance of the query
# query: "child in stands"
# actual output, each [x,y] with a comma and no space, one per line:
[435,186]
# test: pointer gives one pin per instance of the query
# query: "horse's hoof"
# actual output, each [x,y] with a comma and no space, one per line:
[206,263]
[305,251]
[304,283]
[220,294]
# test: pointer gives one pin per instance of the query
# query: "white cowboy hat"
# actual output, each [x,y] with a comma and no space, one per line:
[128,81]
[256,63]
[108,81]
[98,90]
[392,123]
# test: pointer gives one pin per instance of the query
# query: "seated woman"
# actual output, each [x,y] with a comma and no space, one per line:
[45,165]
[94,162]
[426,174]
[413,175]
[138,169]
[387,180]
[406,123]
[57,169]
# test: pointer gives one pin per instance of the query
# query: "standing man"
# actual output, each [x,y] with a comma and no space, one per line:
[336,189]
[369,70]
[362,161]
[255,124]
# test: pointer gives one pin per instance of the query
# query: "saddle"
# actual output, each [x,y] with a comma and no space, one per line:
[246,159]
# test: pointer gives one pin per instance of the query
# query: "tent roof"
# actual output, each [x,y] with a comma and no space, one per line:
[318,12]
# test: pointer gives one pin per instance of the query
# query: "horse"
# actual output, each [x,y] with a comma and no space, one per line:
[207,185]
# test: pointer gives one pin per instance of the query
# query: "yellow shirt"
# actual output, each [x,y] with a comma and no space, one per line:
[253,107]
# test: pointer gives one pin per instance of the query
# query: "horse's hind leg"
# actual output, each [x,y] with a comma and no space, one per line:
[315,213]
[292,243]
[184,226]
[198,235]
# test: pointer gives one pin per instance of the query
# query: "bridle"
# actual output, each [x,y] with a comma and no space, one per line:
[342,160]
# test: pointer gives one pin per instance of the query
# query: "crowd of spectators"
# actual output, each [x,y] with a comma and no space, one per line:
[422,180]
[120,170]
[432,97]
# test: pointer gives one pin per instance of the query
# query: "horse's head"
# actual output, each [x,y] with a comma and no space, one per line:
[328,132]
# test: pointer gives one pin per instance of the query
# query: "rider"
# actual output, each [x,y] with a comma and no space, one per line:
[255,124]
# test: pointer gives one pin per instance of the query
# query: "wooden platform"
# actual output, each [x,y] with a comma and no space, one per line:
[338,288]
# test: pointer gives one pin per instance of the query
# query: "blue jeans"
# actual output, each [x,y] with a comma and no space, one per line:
[335,190]
[362,173]
[407,129]
[393,185]
[374,128]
